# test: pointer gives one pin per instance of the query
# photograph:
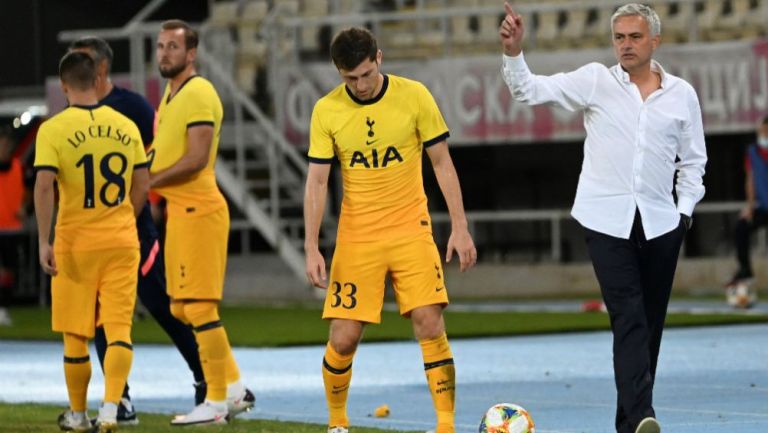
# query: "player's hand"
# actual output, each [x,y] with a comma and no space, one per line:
[316,269]
[461,241]
[47,259]
[747,213]
[511,31]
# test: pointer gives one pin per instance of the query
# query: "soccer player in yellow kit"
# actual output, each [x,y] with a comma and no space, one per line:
[97,157]
[376,125]
[182,171]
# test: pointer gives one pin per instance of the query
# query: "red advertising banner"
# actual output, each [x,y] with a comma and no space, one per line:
[731,79]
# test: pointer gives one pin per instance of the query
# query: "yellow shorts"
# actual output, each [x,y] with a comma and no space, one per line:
[93,288]
[358,271]
[196,255]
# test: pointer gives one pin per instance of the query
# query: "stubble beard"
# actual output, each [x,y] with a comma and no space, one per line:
[172,71]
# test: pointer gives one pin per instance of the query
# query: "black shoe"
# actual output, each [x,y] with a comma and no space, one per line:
[126,414]
[200,390]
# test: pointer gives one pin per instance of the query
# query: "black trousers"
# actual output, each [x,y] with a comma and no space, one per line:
[742,233]
[635,277]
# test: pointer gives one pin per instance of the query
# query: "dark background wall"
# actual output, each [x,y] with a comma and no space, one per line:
[28,31]
[545,175]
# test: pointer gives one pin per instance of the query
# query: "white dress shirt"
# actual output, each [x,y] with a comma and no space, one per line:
[631,144]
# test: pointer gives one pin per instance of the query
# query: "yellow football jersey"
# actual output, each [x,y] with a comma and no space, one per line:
[378,143]
[93,150]
[195,103]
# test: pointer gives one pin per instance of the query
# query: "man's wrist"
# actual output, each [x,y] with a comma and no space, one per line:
[687,220]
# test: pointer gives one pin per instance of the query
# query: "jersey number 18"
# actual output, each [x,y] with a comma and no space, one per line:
[111,178]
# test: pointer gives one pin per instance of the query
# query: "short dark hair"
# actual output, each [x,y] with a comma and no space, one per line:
[352,46]
[98,46]
[77,69]
[190,34]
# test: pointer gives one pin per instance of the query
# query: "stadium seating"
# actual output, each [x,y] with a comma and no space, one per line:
[551,24]
[676,21]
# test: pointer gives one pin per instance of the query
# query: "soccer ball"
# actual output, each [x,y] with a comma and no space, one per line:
[506,418]
[741,295]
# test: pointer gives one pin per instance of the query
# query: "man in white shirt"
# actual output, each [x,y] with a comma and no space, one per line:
[639,120]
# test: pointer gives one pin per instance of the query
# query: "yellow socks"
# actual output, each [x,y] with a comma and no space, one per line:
[441,378]
[231,370]
[337,373]
[215,352]
[117,360]
[77,370]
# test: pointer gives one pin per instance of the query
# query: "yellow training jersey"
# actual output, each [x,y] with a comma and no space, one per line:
[93,150]
[378,143]
[195,103]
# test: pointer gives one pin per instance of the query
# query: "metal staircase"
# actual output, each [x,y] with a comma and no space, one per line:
[260,172]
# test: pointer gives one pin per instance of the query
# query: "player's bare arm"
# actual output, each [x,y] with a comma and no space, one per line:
[139,189]
[44,197]
[460,239]
[511,31]
[199,140]
[315,195]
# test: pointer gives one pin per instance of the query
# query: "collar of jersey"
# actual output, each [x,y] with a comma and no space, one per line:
[373,100]
[86,107]
[168,100]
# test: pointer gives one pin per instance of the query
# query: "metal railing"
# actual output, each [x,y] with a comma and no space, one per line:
[555,218]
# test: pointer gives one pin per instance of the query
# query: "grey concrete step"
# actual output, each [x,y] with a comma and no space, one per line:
[263,278]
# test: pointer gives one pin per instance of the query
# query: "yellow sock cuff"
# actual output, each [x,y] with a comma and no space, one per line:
[335,362]
[436,350]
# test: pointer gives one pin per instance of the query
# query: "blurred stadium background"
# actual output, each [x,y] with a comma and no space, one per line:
[518,165]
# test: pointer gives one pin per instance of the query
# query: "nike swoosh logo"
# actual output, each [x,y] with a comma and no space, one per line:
[371,142]
[437,289]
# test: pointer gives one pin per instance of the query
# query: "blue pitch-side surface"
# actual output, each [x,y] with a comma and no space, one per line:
[712,379]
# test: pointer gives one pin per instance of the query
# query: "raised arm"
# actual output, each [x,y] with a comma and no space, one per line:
[511,32]
[315,195]
[572,90]
[460,239]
